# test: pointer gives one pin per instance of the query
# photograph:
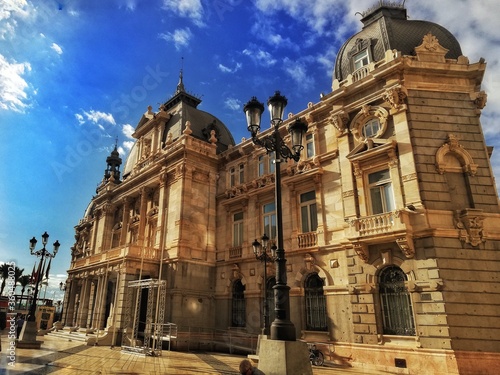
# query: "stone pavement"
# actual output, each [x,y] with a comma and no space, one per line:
[61,357]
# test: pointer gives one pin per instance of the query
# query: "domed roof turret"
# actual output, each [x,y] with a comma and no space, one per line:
[386,27]
[113,162]
[181,112]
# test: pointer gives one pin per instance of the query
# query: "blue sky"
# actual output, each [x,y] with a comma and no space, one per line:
[77,74]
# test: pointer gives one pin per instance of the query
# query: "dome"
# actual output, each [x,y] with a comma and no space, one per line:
[201,123]
[386,27]
[179,110]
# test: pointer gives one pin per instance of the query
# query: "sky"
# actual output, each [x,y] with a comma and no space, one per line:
[77,75]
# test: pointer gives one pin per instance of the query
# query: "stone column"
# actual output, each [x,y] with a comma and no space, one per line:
[84,303]
[100,303]
[142,213]
[69,301]
[125,220]
[92,299]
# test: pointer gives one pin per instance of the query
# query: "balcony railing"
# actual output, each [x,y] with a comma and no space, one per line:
[235,252]
[375,224]
[308,239]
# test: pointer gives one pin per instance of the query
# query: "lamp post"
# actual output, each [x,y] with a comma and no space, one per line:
[260,251]
[42,253]
[28,334]
[282,328]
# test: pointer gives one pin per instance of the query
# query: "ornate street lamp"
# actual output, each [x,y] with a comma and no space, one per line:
[282,328]
[260,251]
[28,334]
[42,253]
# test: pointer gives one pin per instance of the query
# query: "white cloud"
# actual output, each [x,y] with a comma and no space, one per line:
[80,119]
[322,16]
[128,130]
[297,71]
[127,145]
[57,48]
[179,37]
[233,104]
[95,117]
[10,10]
[13,87]
[260,56]
[225,69]
[192,9]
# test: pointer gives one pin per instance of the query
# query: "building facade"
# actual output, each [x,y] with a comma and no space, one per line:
[391,218]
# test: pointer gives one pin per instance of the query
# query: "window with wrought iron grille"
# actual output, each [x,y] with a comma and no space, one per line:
[238,229]
[315,303]
[269,219]
[308,212]
[238,305]
[381,193]
[395,301]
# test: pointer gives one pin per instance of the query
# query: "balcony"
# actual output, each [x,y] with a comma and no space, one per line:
[235,252]
[375,224]
[306,240]
[385,227]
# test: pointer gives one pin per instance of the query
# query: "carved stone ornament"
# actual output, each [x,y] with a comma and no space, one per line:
[469,222]
[361,250]
[236,271]
[430,50]
[309,261]
[187,130]
[395,96]
[406,245]
[340,120]
[480,100]
[430,42]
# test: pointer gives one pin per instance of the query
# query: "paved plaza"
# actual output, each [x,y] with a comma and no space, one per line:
[57,356]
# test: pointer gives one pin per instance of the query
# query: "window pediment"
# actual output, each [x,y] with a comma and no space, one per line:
[453,157]
[371,148]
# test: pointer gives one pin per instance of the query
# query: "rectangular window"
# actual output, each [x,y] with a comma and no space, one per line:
[261,165]
[270,220]
[232,177]
[238,229]
[309,146]
[381,194]
[308,212]
[272,162]
[241,173]
[361,59]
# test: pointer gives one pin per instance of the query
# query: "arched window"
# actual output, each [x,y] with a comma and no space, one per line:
[315,304]
[397,311]
[238,305]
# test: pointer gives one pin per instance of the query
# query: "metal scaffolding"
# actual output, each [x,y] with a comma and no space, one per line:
[151,342]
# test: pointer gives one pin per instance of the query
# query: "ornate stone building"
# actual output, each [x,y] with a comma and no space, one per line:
[391,217]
